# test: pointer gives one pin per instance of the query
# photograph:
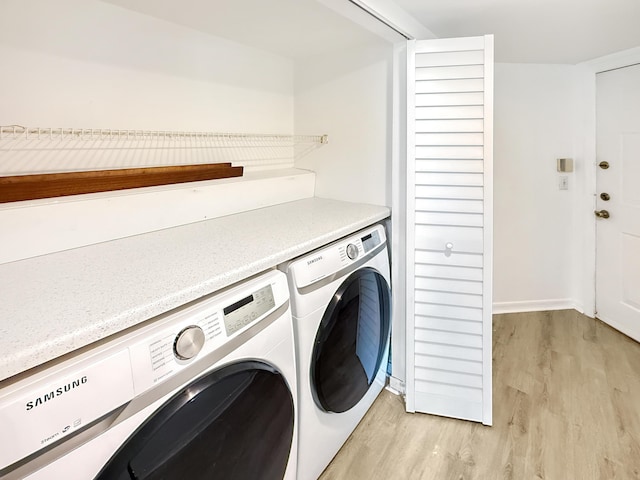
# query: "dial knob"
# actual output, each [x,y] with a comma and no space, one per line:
[352,251]
[188,342]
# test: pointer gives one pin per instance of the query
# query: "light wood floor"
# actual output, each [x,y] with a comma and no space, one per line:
[566,405]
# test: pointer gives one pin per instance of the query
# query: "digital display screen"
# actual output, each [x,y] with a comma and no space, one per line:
[238,304]
[370,241]
[247,310]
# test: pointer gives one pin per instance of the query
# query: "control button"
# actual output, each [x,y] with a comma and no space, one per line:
[188,342]
[352,251]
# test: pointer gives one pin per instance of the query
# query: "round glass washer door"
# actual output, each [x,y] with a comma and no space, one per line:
[236,422]
[351,341]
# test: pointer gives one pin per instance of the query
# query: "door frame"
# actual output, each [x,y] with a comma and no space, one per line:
[585,280]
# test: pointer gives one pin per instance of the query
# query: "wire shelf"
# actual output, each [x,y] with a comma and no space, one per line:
[32,150]
[92,134]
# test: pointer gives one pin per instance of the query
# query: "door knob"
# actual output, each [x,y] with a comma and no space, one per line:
[601,214]
[605,196]
[604,165]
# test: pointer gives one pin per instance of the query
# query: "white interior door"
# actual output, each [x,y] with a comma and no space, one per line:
[618,237]
[449,227]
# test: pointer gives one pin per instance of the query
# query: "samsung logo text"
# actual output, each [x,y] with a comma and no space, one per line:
[314,260]
[61,390]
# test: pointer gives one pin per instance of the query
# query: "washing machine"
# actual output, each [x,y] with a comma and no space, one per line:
[340,302]
[205,391]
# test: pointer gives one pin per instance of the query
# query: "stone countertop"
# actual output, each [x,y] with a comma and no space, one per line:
[54,304]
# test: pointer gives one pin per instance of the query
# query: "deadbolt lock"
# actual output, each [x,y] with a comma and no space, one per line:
[604,165]
[601,214]
[605,196]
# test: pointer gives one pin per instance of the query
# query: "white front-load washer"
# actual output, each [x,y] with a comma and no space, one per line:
[340,302]
[205,391]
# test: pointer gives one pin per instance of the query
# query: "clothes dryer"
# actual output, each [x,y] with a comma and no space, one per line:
[340,300]
[205,391]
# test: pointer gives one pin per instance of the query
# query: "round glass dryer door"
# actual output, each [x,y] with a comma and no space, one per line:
[351,341]
[236,422]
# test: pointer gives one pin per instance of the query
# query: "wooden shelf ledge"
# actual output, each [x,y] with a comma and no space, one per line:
[31,187]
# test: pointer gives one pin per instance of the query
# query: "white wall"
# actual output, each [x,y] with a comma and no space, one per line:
[535,114]
[348,95]
[89,64]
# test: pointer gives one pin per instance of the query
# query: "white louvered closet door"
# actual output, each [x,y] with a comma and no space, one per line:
[449,227]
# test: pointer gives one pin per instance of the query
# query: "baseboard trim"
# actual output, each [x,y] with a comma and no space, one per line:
[534,306]
[580,308]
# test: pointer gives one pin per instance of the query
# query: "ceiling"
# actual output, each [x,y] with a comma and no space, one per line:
[536,31]
[290,28]
[526,31]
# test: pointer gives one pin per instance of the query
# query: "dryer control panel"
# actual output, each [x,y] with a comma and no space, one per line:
[329,260]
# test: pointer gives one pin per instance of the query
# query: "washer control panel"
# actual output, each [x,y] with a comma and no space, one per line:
[371,240]
[204,327]
[331,259]
[245,311]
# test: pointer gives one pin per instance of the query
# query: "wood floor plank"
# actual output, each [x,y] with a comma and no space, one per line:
[566,406]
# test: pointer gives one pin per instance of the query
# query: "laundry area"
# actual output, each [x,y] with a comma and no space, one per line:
[302,239]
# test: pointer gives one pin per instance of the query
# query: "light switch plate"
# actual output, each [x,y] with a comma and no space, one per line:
[563,182]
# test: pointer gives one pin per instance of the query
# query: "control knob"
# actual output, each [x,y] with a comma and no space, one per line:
[188,342]
[352,251]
